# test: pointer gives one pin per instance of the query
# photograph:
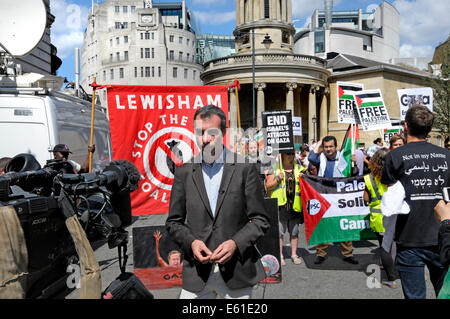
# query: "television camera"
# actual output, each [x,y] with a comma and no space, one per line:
[101,202]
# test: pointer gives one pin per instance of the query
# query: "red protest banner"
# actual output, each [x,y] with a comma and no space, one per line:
[153,127]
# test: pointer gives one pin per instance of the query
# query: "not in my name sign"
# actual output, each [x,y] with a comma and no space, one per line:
[278,131]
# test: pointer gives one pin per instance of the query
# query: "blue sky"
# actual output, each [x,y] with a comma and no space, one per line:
[424,24]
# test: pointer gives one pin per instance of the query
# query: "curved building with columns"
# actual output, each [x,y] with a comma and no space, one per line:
[281,79]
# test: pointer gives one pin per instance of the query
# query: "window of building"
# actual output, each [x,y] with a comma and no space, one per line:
[175,73]
[125,55]
[185,73]
[135,72]
[147,36]
[118,25]
[285,37]
[117,41]
[118,56]
[110,57]
[142,36]
[187,41]
[171,55]
[153,71]
[147,53]
[266,9]
[104,75]
[133,8]
[153,53]
[125,25]
[187,57]
[159,71]
[125,39]
[110,42]
[142,71]
[153,35]
[180,56]
[194,74]
[125,9]
[171,38]
[111,74]
[116,9]
[147,71]
[319,41]
[142,53]
[121,73]
[180,40]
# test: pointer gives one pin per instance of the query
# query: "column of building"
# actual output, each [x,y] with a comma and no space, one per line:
[324,113]
[312,114]
[260,106]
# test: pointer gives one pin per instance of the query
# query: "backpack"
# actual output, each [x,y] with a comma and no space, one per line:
[127,285]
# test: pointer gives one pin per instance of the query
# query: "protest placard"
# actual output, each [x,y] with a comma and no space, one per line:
[372,111]
[347,111]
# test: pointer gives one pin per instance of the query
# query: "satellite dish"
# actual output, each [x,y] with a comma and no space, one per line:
[22,25]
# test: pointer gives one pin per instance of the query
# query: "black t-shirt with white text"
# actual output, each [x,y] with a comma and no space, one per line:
[422,169]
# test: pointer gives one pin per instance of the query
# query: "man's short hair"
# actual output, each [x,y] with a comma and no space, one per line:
[420,121]
[447,141]
[209,110]
[304,148]
[329,138]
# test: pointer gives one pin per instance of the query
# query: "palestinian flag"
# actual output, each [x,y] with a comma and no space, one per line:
[347,112]
[334,209]
[314,206]
[369,99]
[350,143]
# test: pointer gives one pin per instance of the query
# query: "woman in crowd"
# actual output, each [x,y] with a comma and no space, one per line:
[284,185]
[372,194]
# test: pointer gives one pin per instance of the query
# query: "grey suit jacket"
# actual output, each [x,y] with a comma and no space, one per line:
[240,215]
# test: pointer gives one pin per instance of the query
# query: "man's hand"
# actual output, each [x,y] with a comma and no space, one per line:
[157,235]
[201,252]
[442,211]
[353,158]
[91,148]
[224,252]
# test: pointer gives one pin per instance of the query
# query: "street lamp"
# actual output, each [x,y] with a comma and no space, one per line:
[239,38]
[314,120]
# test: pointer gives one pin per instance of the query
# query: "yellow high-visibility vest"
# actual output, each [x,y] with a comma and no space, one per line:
[280,191]
[376,190]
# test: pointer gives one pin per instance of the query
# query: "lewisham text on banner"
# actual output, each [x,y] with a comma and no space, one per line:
[153,127]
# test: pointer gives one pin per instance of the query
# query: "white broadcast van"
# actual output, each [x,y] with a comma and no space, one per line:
[33,119]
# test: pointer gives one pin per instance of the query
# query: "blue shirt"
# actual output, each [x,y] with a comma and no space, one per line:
[212,176]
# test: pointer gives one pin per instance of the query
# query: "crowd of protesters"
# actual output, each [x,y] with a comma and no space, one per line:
[408,237]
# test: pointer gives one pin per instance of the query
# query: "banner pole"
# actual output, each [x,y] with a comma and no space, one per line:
[92,126]
[382,137]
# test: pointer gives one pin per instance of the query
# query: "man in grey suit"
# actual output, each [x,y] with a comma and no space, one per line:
[216,215]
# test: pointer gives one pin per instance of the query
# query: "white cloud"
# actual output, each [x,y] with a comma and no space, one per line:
[67,31]
[213,17]
[423,24]
[305,8]
[416,51]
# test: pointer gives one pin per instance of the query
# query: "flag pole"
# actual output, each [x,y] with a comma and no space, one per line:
[236,88]
[353,142]
[91,142]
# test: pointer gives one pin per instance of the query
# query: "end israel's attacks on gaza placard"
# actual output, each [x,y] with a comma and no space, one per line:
[347,112]
[372,111]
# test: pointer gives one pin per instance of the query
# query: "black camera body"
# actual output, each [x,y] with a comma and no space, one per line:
[101,202]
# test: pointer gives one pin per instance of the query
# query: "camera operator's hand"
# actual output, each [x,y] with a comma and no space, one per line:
[201,252]
[442,211]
